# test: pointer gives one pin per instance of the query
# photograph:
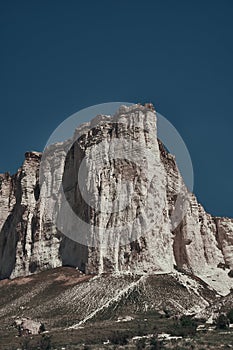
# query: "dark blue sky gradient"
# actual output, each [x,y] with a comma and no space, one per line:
[58,57]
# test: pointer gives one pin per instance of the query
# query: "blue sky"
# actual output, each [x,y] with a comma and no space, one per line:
[58,57]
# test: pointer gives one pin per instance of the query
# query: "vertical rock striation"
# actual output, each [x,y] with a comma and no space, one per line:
[129,180]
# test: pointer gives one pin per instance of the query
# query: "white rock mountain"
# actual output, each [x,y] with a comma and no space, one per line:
[143,193]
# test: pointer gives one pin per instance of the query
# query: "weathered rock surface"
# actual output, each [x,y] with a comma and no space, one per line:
[121,190]
[27,326]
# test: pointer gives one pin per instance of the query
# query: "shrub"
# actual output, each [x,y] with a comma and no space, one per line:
[42,328]
[141,330]
[222,322]
[167,313]
[155,344]
[184,326]
[230,315]
[119,338]
[25,344]
[45,342]
[141,344]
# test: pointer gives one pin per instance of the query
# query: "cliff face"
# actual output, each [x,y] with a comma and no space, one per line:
[138,216]
[25,244]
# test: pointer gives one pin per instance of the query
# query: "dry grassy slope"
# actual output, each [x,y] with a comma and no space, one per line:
[62,297]
[223,305]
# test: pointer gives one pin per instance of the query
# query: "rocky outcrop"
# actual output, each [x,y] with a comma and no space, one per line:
[136,216]
[26,246]
[26,326]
